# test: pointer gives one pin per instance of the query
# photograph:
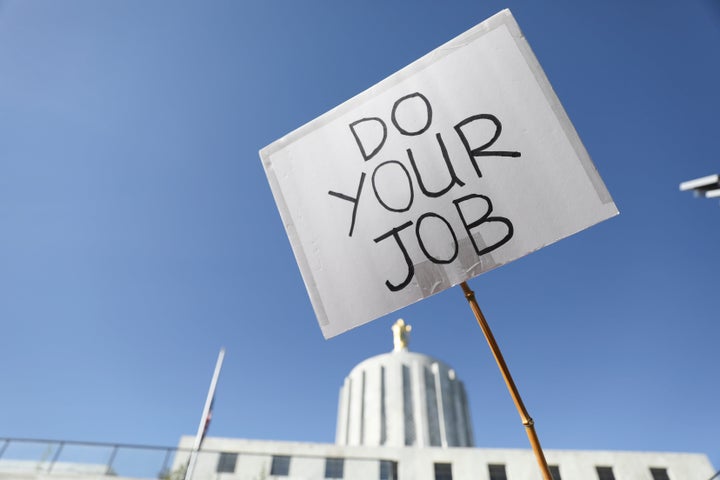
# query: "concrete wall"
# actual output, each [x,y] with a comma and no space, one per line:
[363,463]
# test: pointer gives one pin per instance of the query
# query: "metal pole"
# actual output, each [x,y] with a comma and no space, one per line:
[524,416]
[111,459]
[166,461]
[56,456]
[204,419]
[4,447]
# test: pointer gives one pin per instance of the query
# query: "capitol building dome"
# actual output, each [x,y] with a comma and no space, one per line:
[403,398]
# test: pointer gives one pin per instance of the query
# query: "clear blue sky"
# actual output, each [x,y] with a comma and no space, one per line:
[138,233]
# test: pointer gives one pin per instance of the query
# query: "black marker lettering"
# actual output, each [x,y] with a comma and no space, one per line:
[352,200]
[422,244]
[480,151]
[428,109]
[484,218]
[367,156]
[411,268]
[454,180]
[409,186]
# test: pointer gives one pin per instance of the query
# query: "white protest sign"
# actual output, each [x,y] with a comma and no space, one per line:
[459,163]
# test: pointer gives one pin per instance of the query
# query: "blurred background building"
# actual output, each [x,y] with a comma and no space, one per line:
[401,415]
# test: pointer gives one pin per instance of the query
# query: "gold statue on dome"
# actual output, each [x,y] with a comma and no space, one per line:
[401,335]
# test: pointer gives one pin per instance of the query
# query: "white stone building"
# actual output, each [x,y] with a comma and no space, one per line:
[404,415]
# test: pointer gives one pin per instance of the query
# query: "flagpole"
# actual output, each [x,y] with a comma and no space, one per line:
[527,421]
[204,419]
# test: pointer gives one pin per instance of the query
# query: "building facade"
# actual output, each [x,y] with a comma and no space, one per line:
[405,416]
[238,459]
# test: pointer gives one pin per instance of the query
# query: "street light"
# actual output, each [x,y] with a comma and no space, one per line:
[708,187]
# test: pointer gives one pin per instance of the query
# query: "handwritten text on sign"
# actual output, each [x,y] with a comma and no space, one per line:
[412,126]
[459,163]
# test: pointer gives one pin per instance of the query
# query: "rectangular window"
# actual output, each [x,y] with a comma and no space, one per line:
[659,473]
[555,472]
[334,468]
[226,462]
[280,465]
[388,470]
[497,472]
[443,471]
[605,473]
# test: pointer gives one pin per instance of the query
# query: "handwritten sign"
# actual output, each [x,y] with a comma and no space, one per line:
[459,163]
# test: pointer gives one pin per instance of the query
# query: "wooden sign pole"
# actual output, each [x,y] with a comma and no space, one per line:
[526,420]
